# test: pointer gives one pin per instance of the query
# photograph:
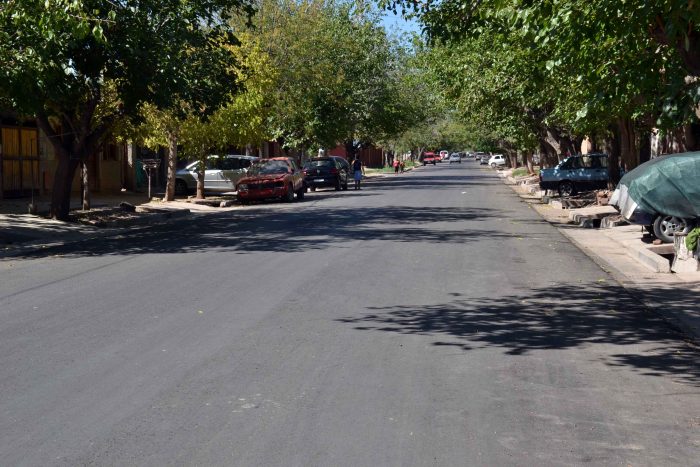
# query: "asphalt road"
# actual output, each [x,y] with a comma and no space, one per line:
[428,319]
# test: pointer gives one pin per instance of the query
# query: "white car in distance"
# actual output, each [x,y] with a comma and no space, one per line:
[497,160]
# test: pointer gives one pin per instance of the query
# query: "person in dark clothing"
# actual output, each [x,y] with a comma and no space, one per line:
[358,169]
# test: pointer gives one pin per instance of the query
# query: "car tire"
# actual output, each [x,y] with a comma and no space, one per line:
[337,185]
[493,165]
[181,188]
[289,196]
[300,193]
[345,185]
[566,188]
[665,226]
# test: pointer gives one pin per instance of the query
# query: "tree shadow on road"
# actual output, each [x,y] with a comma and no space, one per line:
[552,318]
[293,230]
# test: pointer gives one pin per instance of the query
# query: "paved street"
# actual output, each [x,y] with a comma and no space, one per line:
[431,318]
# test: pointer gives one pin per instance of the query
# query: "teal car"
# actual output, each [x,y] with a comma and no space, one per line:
[577,173]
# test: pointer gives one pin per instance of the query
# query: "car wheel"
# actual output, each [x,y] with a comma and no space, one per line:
[337,185]
[566,188]
[301,193]
[289,196]
[181,188]
[345,185]
[666,226]
[493,165]
[313,188]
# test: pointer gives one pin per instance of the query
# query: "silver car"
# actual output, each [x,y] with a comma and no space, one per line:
[220,175]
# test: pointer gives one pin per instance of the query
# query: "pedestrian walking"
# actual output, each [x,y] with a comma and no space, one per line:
[397,165]
[358,169]
[402,165]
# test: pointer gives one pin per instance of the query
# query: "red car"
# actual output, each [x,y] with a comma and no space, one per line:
[279,177]
[429,158]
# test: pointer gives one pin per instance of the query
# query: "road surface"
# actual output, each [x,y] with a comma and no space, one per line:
[431,318]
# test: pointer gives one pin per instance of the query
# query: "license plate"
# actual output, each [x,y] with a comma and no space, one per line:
[319,180]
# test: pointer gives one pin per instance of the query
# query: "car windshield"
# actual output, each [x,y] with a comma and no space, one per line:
[319,163]
[269,167]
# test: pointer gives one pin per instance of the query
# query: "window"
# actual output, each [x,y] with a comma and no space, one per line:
[230,163]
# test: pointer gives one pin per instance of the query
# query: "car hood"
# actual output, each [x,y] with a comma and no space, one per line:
[665,185]
[262,178]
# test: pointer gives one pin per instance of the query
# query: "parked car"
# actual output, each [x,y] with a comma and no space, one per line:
[455,157]
[484,160]
[279,177]
[343,163]
[221,174]
[480,155]
[429,158]
[662,194]
[497,160]
[575,173]
[325,171]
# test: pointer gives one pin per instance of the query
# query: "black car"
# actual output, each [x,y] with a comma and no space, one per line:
[325,172]
[344,164]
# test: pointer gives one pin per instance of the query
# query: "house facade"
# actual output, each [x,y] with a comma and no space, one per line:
[28,162]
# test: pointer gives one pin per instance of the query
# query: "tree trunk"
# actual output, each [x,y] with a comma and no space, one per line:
[548,154]
[513,159]
[689,138]
[85,185]
[644,147]
[528,161]
[2,188]
[613,150]
[200,179]
[63,181]
[350,150]
[172,167]
[628,144]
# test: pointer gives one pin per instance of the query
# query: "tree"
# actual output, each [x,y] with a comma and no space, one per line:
[619,66]
[58,56]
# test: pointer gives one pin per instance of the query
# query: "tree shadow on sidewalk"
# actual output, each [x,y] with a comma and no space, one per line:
[552,318]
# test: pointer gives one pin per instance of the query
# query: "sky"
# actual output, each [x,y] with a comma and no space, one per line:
[396,24]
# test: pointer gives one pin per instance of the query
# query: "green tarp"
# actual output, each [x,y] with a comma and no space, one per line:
[667,185]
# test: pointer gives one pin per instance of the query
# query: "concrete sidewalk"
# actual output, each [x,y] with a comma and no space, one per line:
[675,296]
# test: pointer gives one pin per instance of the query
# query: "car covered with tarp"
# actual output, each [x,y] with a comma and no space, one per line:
[662,194]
